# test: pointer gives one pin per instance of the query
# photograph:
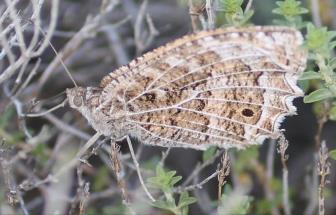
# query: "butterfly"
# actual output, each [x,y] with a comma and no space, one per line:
[228,87]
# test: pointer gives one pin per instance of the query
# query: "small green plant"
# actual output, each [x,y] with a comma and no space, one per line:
[291,12]
[165,181]
[319,42]
[233,13]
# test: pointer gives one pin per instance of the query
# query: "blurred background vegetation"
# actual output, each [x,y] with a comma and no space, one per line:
[95,37]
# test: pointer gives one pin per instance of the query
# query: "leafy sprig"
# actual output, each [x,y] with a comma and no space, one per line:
[291,10]
[233,12]
[165,181]
[319,42]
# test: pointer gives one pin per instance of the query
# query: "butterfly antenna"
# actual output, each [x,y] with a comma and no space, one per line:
[62,62]
[56,53]
[59,58]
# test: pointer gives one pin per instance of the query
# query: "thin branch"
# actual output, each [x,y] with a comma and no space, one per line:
[79,154]
[118,170]
[164,156]
[51,29]
[199,185]
[313,188]
[270,174]
[66,128]
[46,112]
[18,107]
[90,28]
[14,195]
[211,14]
[138,28]
[283,144]
[315,9]
[195,11]
[32,73]
[224,171]
[323,169]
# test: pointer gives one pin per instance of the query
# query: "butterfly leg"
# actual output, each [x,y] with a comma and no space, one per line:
[137,166]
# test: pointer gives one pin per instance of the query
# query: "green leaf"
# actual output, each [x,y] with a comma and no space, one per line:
[164,205]
[332,63]
[289,8]
[318,95]
[332,113]
[164,180]
[318,39]
[174,180]
[231,6]
[209,153]
[310,75]
[233,12]
[332,154]
[186,200]
[247,16]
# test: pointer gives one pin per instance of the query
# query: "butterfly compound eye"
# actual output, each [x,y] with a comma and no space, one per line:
[77,100]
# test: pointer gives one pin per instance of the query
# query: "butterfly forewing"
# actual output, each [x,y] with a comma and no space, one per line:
[227,87]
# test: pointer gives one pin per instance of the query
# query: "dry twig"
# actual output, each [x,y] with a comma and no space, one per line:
[117,167]
[323,169]
[224,171]
[283,145]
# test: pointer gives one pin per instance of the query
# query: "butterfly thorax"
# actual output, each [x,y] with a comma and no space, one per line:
[105,116]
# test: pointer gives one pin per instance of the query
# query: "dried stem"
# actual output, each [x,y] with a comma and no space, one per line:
[117,167]
[35,47]
[48,111]
[224,171]
[164,156]
[196,186]
[313,188]
[315,9]
[283,145]
[323,168]
[211,14]
[79,154]
[270,195]
[14,194]
[195,11]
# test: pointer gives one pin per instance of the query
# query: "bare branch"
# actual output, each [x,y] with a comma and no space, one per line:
[323,169]
[283,144]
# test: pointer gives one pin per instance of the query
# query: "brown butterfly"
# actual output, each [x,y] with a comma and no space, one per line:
[230,87]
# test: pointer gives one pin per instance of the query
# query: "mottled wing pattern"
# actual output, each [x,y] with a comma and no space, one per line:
[227,87]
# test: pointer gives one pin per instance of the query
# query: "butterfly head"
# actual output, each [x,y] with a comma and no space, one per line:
[76,97]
